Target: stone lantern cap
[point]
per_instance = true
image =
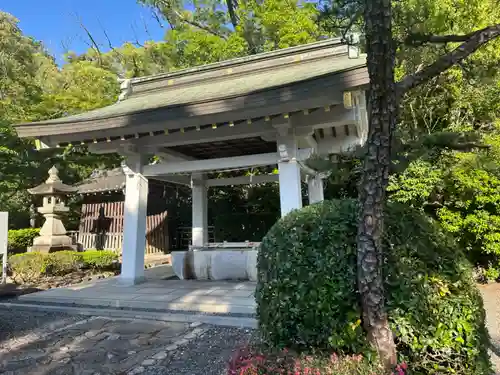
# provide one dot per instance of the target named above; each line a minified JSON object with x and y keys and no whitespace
{"x":53,"y":185}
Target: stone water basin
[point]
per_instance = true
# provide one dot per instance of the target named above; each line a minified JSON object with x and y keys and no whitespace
{"x":216,"y":264}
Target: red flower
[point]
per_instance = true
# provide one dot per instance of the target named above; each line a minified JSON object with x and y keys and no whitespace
{"x":333,"y":357}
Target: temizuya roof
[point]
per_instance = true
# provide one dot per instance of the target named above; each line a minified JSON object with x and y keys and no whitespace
{"x":291,"y":79}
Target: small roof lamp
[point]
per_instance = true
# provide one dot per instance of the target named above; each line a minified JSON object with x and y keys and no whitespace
{"x":353,"y":41}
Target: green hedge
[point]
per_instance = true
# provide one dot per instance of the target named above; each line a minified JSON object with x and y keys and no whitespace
{"x":28,"y":267}
{"x":307,"y":294}
{"x":99,"y":259}
{"x":21,"y":239}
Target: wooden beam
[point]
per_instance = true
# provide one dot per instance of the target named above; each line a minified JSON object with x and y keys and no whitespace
{"x":242,"y":180}
{"x":175,"y":179}
{"x":222,"y":133}
{"x":206,"y":165}
{"x":211,"y":164}
{"x":337,"y":145}
{"x":320,"y":118}
{"x":170,"y":155}
{"x":326,"y":117}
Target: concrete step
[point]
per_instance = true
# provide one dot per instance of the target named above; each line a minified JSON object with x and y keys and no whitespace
{"x":178,"y":316}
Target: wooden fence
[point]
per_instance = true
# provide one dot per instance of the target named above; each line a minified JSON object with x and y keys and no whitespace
{"x":112,"y":237}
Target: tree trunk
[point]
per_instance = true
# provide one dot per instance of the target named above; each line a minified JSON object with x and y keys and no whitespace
{"x":375,"y":175}
{"x":232,"y":13}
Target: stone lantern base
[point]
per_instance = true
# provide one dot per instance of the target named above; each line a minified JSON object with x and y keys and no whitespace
{"x":52,"y":243}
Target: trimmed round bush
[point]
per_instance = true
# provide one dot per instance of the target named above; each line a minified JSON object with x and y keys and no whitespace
{"x":307,"y":293}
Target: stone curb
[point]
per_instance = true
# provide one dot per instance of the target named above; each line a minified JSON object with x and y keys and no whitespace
{"x":217,"y":320}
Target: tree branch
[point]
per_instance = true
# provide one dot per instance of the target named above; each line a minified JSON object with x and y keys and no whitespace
{"x":157,"y":18}
{"x":163,"y":4}
{"x":106,"y":35}
{"x":199,"y":25}
{"x":231,"y":5}
{"x":355,"y":17}
{"x":91,"y":38}
{"x":419,"y":39}
{"x":475,"y":41}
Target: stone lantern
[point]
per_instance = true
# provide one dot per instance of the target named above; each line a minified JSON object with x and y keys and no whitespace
{"x":52,"y":234}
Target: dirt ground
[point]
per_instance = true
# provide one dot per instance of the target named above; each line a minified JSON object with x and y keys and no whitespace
{"x":491,"y":298}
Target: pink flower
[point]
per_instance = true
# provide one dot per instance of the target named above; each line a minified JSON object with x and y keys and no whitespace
{"x":404,"y":366}
{"x":333,"y":357}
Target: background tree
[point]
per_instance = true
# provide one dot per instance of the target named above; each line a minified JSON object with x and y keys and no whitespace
{"x":384,"y":101}
{"x":33,"y":88}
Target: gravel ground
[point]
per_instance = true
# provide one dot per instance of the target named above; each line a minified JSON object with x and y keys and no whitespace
{"x":208,"y":354}
{"x":19,"y":322}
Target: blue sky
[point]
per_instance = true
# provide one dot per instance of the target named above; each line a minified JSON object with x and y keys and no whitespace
{"x":56,"y":22}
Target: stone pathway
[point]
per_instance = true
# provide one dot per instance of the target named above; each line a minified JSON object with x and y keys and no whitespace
{"x":101,"y":345}
{"x":213,"y":297}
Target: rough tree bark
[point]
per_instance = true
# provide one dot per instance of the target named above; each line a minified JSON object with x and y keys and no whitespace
{"x":375,"y":176}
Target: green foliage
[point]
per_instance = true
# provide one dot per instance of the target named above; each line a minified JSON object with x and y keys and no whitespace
{"x":200,"y":33}
{"x":80,"y":87}
{"x":27,"y":267}
{"x":21,"y":239}
{"x":33,"y":88}
{"x":100,"y":259}
{"x":62,"y":262}
{"x":491,"y":273}
{"x":243,"y":212}
{"x":307,"y":294}
{"x":461,"y":190}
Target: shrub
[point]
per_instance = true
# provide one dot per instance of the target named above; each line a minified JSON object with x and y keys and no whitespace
{"x":100,"y":259}
{"x":63,"y":262}
{"x":27,"y":267}
{"x":21,"y":239}
{"x":307,"y":295}
{"x":252,"y":360}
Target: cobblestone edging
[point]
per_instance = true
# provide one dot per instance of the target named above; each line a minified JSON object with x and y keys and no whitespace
{"x":161,"y":355}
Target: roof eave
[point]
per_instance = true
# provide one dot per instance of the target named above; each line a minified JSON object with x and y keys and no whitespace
{"x":215,"y":109}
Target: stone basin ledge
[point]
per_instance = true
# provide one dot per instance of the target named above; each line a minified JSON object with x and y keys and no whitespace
{"x":216,"y":264}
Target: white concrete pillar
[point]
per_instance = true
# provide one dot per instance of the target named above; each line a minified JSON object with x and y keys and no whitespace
{"x":199,"y":211}
{"x":315,"y":189}
{"x":289,"y":175}
{"x":134,"y":227}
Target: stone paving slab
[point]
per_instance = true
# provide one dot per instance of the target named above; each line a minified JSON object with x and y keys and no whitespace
{"x":100,"y":345}
{"x":217,"y":297}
